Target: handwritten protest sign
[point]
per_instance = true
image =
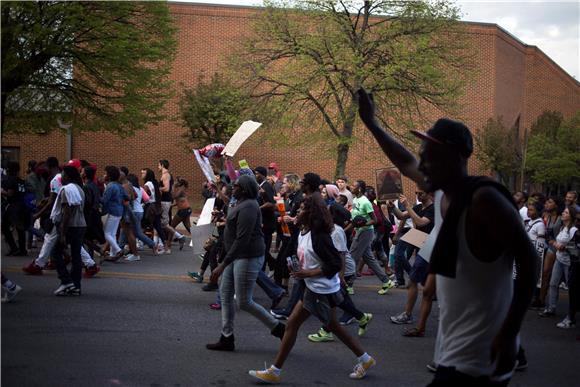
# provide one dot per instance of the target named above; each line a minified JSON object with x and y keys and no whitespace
{"x":242,"y":134}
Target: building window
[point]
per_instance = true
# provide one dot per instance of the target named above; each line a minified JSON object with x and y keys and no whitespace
{"x":10,"y":153}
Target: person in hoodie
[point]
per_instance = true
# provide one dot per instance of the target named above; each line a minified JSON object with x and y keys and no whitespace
{"x":244,"y":244}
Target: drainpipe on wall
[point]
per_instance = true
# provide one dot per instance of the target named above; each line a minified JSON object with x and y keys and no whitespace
{"x":69,"y":141}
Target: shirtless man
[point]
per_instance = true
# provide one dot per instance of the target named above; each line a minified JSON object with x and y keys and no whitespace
{"x":481,"y":310}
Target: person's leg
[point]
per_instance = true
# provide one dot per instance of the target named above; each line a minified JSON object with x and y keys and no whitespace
{"x":426,"y":302}
{"x":272,"y":290}
{"x":337,"y":329}
{"x":50,"y":240}
{"x":159,"y":229}
{"x":557,"y":272}
{"x":296,"y":319}
{"x":373,"y":264}
{"x":549,"y":260}
{"x":357,"y":249}
{"x":75,"y":236}
{"x":295,"y":295}
{"x":402,"y":264}
{"x":86,"y":257}
{"x":348,"y":306}
{"x":8,"y":236}
{"x":412,"y":293}
{"x":61,"y":269}
{"x":245,"y":274}
{"x":139,"y":231}
{"x":111,"y":226}
{"x":227,"y":300}
{"x":21,"y":233}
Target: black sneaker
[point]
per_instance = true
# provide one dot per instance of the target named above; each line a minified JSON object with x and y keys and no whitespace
{"x":210,"y":287}
{"x":280,"y":314}
{"x":74,"y":292}
{"x":64,"y":289}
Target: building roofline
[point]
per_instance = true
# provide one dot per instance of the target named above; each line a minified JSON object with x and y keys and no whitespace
{"x":525,"y":46}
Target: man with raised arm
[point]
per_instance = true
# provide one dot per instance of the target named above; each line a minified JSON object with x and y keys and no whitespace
{"x":481,"y":310}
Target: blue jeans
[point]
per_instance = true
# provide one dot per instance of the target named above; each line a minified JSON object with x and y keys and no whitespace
{"x":139,"y":234}
{"x":558,"y":271}
{"x":403,"y":251}
{"x":239,"y":278}
{"x":268,"y":286}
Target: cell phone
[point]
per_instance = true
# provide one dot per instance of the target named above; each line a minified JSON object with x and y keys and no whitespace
{"x":293,"y":262}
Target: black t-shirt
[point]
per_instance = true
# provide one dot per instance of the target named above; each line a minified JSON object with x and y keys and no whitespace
{"x":429,"y":213}
{"x":17,"y":185}
{"x":268,"y":215}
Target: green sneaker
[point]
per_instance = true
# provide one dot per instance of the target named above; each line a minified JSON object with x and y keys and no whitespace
{"x":196,"y":276}
{"x":321,"y":336}
{"x":350,"y":291}
{"x":363,"y":323}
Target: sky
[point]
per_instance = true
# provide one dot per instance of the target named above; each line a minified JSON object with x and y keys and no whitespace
{"x":551,"y":25}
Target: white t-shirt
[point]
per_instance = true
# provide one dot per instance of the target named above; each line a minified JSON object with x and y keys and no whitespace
{"x":536,"y":230}
{"x":152,"y":191}
{"x":137,"y":207}
{"x":524,"y":214}
{"x":56,"y":183}
{"x":564,"y":236}
{"x":309,"y":260}
{"x":339,"y":240}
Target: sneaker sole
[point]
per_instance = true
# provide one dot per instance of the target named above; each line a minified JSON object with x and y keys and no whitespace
{"x":263,"y":380}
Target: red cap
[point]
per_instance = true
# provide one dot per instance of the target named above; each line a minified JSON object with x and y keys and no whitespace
{"x":74,"y":163}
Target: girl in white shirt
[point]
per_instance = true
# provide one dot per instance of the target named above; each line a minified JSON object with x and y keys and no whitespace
{"x":322,"y":293}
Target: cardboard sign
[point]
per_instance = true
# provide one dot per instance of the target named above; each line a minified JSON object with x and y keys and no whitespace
{"x":205,"y":166}
{"x":242,"y":134}
{"x":205,"y":217}
{"x":415,"y":237}
{"x":389,"y":183}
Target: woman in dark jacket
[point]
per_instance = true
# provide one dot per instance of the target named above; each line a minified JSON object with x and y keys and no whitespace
{"x":244,"y":246}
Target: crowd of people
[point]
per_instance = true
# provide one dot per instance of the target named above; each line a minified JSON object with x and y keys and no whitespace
{"x":72,"y":214}
{"x":328,"y":233}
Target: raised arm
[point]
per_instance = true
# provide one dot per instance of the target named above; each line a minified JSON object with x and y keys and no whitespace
{"x":403,"y":159}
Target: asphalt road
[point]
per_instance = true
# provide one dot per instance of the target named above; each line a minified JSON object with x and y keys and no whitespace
{"x":146,"y":324}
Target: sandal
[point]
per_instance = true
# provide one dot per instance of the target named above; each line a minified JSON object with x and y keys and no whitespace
{"x":413,"y":332}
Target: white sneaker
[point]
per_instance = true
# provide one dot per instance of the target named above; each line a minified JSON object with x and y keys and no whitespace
{"x":168,"y":251}
{"x":132,"y":258}
{"x":140,"y":245}
{"x":566,"y":323}
{"x":10,"y":293}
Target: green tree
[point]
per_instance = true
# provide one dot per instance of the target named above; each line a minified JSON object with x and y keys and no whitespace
{"x":498,"y":149}
{"x":553,"y":156}
{"x":306,"y":59}
{"x":213,"y":110}
{"x":97,"y":65}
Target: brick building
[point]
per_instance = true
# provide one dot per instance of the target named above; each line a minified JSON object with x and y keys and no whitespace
{"x":512,"y":78}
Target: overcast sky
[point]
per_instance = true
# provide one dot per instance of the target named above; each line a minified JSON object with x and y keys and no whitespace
{"x":551,"y":25}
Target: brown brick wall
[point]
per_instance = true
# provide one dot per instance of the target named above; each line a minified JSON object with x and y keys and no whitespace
{"x":510,"y":78}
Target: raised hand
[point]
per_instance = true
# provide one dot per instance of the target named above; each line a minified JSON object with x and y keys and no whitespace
{"x":366,"y":108}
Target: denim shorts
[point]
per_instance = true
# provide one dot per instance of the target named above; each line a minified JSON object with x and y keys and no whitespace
{"x":320,"y":305}
{"x":419,"y":271}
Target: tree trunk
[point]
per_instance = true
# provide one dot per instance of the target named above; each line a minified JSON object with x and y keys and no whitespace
{"x":341,"y":157}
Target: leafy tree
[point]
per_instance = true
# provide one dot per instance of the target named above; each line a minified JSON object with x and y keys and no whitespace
{"x":213,"y":110}
{"x":553,"y":156}
{"x":98,"y":65}
{"x":498,"y":149}
{"x":307,"y":58}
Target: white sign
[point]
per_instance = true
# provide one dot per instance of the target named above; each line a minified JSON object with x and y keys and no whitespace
{"x":205,"y":217}
{"x":242,"y":134}
{"x":205,"y":166}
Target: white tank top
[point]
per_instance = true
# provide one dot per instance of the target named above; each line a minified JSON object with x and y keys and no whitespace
{"x":473,"y":307}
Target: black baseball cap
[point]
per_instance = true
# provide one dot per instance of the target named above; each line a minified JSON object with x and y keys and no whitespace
{"x":451,"y":133}
{"x":261,"y":170}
